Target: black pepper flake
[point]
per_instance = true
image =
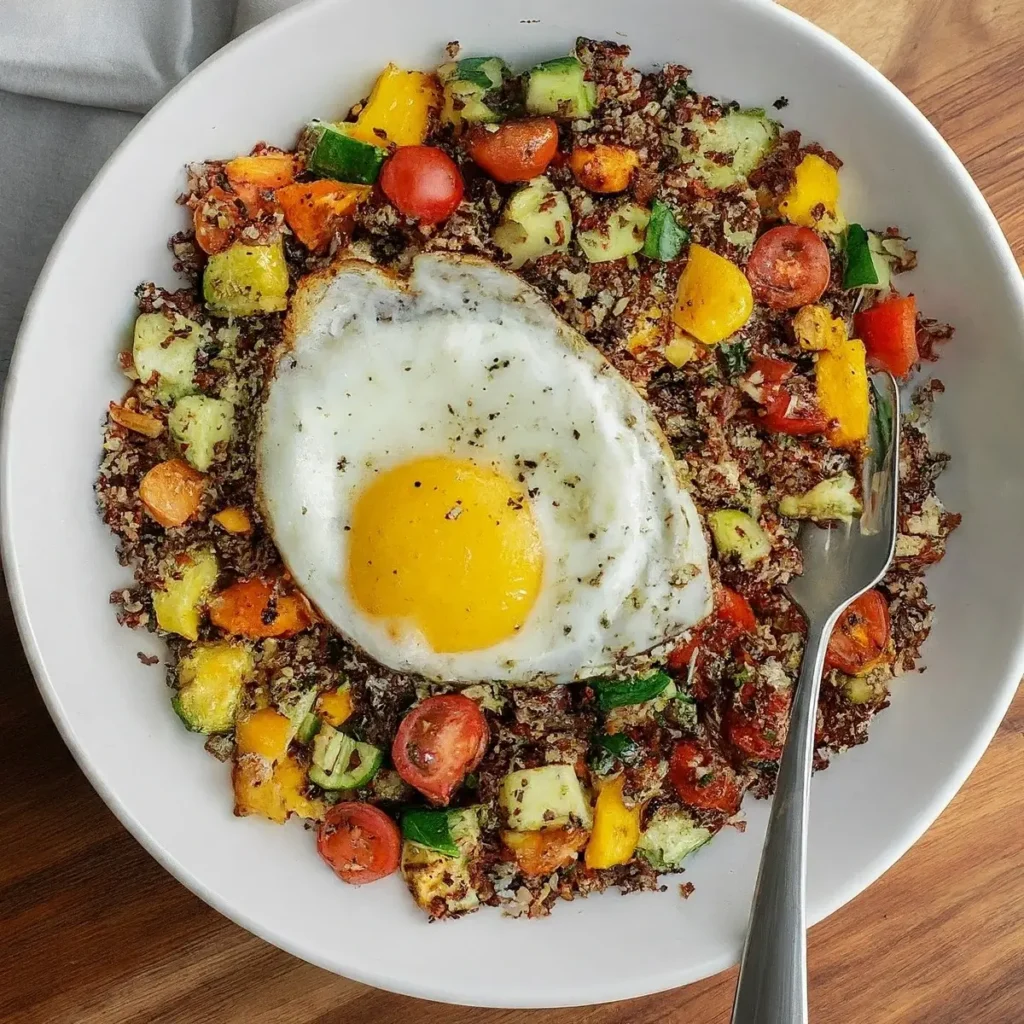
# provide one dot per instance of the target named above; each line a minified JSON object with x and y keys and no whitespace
{"x":781,"y":102}
{"x":576,"y":434}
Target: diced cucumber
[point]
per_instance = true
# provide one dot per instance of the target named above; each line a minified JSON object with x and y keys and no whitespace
{"x":739,"y":536}
{"x":210,"y":682}
{"x":665,"y":238}
{"x":867,"y":262}
{"x":246,"y":280}
{"x":441,"y":884}
{"x":744,"y":135}
{"x":485,"y":72}
{"x":199,"y":423}
{"x":298,"y":710}
{"x":165,"y":348}
{"x":546,"y":797}
{"x":614,"y":693}
{"x":308,"y":728}
{"x":671,"y":836}
{"x":467,"y":86}
{"x":535,"y":222}
{"x":832,"y":499}
{"x":558,"y":88}
{"x":621,"y":235}
{"x":340,"y":762}
{"x":335,"y":154}
{"x":179,"y":604}
{"x":388,"y":785}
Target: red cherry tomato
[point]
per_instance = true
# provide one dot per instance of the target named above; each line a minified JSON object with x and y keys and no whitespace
{"x":760,"y":733}
{"x":423,"y":182}
{"x":732,"y":616}
{"x":861,"y":635}
{"x":788,"y":267}
{"x":517,"y":150}
{"x":703,"y":780}
{"x":889,"y":332}
{"x":438,"y":742}
{"x":360,"y":842}
{"x":734,"y":608}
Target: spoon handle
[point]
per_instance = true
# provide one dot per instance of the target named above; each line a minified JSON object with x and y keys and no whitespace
{"x":772,"y":986}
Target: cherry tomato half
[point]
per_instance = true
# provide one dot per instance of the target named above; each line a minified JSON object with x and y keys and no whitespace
{"x":438,"y":742}
{"x":423,"y":182}
{"x":517,"y":150}
{"x":788,"y":267}
{"x":732,"y":617}
{"x":760,"y":733}
{"x":360,"y":842}
{"x":861,"y":635}
{"x":703,"y":780}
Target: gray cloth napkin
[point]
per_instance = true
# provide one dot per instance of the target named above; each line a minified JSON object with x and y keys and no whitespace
{"x":74,"y":78}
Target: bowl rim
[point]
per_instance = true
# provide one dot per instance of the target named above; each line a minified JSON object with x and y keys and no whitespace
{"x":611,"y":988}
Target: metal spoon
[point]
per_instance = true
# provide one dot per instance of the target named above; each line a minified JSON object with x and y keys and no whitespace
{"x":839,"y":565}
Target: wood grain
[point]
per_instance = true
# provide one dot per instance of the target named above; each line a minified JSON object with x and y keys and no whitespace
{"x":92,"y":930}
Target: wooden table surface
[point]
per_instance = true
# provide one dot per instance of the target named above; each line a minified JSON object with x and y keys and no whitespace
{"x":93,"y":930}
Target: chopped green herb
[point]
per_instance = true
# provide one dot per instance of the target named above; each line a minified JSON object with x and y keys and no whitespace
{"x":743,"y":676}
{"x":614,"y":693}
{"x":706,"y":779}
{"x":735,"y":358}
{"x":430,"y":829}
{"x":608,"y":750}
{"x":665,"y":238}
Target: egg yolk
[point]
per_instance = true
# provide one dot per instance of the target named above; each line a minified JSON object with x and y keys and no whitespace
{"x":448,"y":546}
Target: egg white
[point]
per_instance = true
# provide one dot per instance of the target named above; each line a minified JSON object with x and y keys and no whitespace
{"x":463,"y":358}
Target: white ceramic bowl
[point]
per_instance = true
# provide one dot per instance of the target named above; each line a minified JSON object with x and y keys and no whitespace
{"x":114,"y":712}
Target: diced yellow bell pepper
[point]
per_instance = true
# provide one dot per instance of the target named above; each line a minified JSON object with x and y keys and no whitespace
{"x":816,"y":329}
{"x":265,"y":732}
{"x":680,"y":350}
{"x":816,"y":185}
{"x":646,"y":331}
{"x":400,"y":106}
{"x":714,"y":298}
{"x":272,"y":791}
{"x":335,"y":706}
{"x":842,"y":386}
{"x":233,"y":519}
{"x":616,"y":829}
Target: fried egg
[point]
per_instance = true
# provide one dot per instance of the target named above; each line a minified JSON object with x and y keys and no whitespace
{"x":464,"y":486}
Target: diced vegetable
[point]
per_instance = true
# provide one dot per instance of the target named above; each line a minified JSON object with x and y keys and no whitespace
{"x":740,"y":536}
{"x":336,"y":154}
{"x":210,"y":681}
{"x":745,"y":135}
{"x":246,"y":280}
{"x":431,"y":829}
{"x":622,"y":234}
{"x":265,"y":732}
{"x":290,"y":779}
{"x":199,"y":423}
{"x":864,"y":689}
{"x":317,"y":210}
{"x":670,"y":837}
{"x":614,"y":693}
{"x":468,"y":85}
{"x":535,"y":222}
{"x":438,"y":742}
{"x":259,"y":607}
{"x":233,"y":519}
{"x":172,"y":492}
{"x":861,"y":637}
{"x":841,"y":379}
{"x":399,"y":108}
{"x":297,"y":707}
{"x":829,"y":500}
{"x":703,"y":778}
{"x":813,"y":198}
{"x":335,"y":706}
{"x":713,"y":300}
{"x":516,"y":150}
{"x":610,"y":751}
{"x":164,"y":350}
{"x":889,"y":332}
{"x":546,"y":797}
{"x":665,"y":238}
{"x":179,"y":605}
{"x":538,"y":854}
{"x":817,"y":330}
{"x":269,"y":170}
{"x":360,"y":842}
{"x":558,"y":87}
{"x":218,"y":216}
{"x":789,"y":266}
{"x":272,"y":791}
{"x":680,"y":350}
{"x":616,"y":828}
{"x":139,"y":422}
{"x":867,"y":263}
{"x":423,"y":182}
{"x":442,"y":885}
{"x":339,"y":762}
{"x":603,"y":168}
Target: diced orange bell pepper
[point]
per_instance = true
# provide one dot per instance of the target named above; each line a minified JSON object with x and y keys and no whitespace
{"x":335,"y":707}
{"x":257,"y":608}
{"x":233,"y":519}
{"x":314,"y":210}
{"x":140,"y":422}
{"x":172,"y":492}
{"x":268,"y":170}
{"x":604,"y":168}
{"x":540,"y":853}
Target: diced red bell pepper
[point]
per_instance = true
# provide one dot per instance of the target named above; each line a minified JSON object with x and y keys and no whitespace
{"x":768,"y":374}
{"x":889,"y":332}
